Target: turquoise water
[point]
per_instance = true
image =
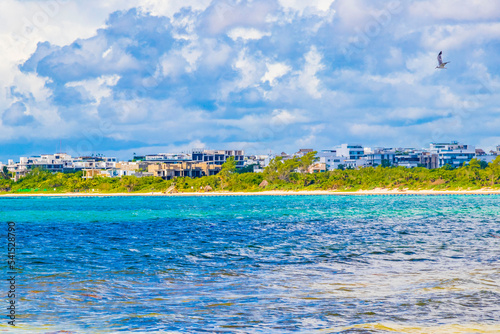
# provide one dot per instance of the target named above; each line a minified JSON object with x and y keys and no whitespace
{"x":257,"y":264}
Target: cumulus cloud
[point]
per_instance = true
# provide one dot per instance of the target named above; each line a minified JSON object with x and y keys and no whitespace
{"x":17,"y":115}
{"x":456,"y":10}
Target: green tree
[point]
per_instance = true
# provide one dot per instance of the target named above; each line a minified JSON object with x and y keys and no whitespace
{"x":4,"y":173}
{"x":227,"y":169}
{"x":5,"y":185}
{"x":386,"y":163}
{"x":129,"y":182}
{"x":307,"y":160}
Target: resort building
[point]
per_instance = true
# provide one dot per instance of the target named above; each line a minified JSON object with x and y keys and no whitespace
{"x":351,"y":151}
{"x":407,"y":157}
{"x":429,"y":160}
{"x":453,"y":154}
{"x":184,"y":169}
{"x":218,"y":157}
{"x":331,"y":160}
{"x":318,"y":167}
{"x":381,"y":157}
{"x":167,"y":157}
{"x":302,"y":152}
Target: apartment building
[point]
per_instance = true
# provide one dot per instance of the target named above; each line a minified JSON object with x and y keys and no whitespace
{"x":218,"y":157}
{"x":380,"y":157}
{"x":169,"y":171}
{"x":454,"y":153}
{"x":351,"y":151}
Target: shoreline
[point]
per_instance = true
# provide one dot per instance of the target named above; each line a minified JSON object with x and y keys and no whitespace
{"x":373,"y":192}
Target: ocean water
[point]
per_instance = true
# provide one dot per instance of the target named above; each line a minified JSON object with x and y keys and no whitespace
{"x":255,"y":264}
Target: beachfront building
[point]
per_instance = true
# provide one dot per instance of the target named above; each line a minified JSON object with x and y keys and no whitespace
{"x":317,"y":167}
{"x":59,"y":162}
{"x":168,"y":157}
{"x":169,"y":171}
{"x":259,"y":161}
{"x":428,"y":160}
{"x":302,"y":152}
{"x":351,"y":151}
{"x":354,"y":163}
{"x":454,"y":153}
{"x":62,"y":162}
{"x":331,"y":160}
{"x":94,"y":162}
{"x":407,"y":157}
{"x":135,"y":166}
{"x":218,"y":157}
{"x":381,"y":157}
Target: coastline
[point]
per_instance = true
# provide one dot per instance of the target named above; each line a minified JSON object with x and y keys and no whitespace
{"x":373,"y":192}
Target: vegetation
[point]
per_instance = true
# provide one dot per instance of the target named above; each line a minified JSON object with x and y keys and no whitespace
{"x":280,"y":175}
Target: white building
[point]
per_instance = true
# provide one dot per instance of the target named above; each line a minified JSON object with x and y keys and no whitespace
{"x":331,"y":160}
{"x":453,"y":154}
{"x":351,"y":151}
{"x":381,"y":157}
{"x":168,"y":157}
{"x":218,"y":157}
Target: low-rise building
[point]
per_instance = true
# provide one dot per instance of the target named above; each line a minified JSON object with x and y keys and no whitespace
{"x":184,"y":169}
{"x":168,"y":157}
{"x":453,"y":154}
{"x":318,"y":167}
{"x":429,"y":160}
{"x":302,"y":152}
{"x":407,"y":157}
{"x":351,"y":151}
{"x":218,"y":157}
{"x":381,"y":157}
{"x":331,"y":160}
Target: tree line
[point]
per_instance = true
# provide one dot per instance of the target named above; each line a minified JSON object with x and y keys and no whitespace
{"x":280,"y":174}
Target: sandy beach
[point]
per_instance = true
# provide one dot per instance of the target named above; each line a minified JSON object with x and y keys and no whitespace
{"x":373,"y":192}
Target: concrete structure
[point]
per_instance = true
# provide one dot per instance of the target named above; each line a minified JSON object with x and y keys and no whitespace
{"x":331,"y":160}
{"x":354,"y":163}
{"x":318,"y":167}
{"x":184,"y":169}
{"x":381,"y":157}
{"x":133,"y":166}
{"x":218,"y":157}
{"x":168,"y":157}
{"x":453,"y":154}
{"x":407,"y":157}
{"x":351,"y":151}
{"x":90,"y":173}
{"x":429,"y":160}
{"x":302,"y":152}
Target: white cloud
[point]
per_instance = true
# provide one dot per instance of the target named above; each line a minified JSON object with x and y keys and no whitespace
{"x":275,"y":71}
{"x":302,"y":6}
{"x":463,"y":10}
{"x":246,"y":33}
{"x":225,"y":14}
{"x":170,"y":7}
{"x":98,"y":88}
{"x":453,"y":37}
{"x":249,"y":68}
{"x":307,"y":77}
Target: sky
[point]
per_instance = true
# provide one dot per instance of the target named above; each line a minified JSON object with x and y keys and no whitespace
{"x":119,"y":77}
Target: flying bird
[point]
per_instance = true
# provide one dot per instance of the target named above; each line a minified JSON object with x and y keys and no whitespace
{"x":441,"y":65}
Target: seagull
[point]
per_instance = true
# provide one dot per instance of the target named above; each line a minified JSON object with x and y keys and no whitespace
{"x":440,"y":61}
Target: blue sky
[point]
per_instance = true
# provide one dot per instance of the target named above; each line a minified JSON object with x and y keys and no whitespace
{"x":151,"y":76}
